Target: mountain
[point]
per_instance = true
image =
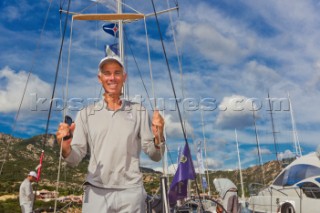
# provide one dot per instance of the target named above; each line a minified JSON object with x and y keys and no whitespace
{"x":250,"y":175}
{"x":23,"y":156}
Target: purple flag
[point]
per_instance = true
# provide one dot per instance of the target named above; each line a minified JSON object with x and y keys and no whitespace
{"x":112,"y":29}
{"x":179,"y":154}
{"x":179,"y":186}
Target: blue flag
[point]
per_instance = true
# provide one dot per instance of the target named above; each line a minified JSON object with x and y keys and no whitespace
{"x":115,"y":48}
{"x":199,"y":158}
{"x":112,"y":29}
{"x":112,"y":50}
{"x":179,"y":186}
{"x":204,"y":182}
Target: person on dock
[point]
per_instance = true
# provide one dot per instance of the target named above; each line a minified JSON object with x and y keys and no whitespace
{"x":26,"y":196}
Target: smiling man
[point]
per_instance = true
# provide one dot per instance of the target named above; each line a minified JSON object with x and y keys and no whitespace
{"x":113,"y":132}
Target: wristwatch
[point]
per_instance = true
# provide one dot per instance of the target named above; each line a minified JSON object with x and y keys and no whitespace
{"x":154,"y":142}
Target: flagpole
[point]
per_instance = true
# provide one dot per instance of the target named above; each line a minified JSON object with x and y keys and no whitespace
{"x":202,"y":173}
{"x":38,"y":168}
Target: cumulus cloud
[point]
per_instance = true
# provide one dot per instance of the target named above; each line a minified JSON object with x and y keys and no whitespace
{"x":259,"y":76}
{"x":173,"y":128}
{"x":218,"y":46}
{"x":263,"y":151}
{"x":235,"y":112}
{"x":286,"y":154}
{"x":212,"y":164}
{"x":12,"y":89}
{"x":171,"y":169}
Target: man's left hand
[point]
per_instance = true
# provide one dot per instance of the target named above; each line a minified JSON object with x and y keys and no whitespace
{"x":157,"y":127}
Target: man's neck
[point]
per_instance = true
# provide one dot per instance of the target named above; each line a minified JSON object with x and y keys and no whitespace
{"x":114,"y":102}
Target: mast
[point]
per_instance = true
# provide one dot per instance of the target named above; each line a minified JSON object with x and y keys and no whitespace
{"x":294,"y":131}
{"x":121,"y":44}
{"x":205,"y":152}
{"x":239,"y":162}
{"x":258,"y":144}
{"x":273,"y":129}
{"x":120,"y":25}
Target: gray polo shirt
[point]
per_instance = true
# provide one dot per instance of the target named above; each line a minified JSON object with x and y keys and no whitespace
{"x":114,"y":140}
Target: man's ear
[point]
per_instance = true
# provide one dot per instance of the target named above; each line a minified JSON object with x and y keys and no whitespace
{"x":99,"y":78}
{"x":125,"y":76}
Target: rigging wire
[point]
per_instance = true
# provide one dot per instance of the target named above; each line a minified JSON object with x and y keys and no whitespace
{"x":205,"y":150}
{"x":258,"y":145}
{"x":64,"y":112}
{"x":140,"y":74}
{"x":26,"y":85}
{"x":173,"y":89}
{"x":163,"y":184}
{"x":57,"y":71}
{"x":147,"y":93}
{"x":170,"y":75}
{"x":56,"y":77}
{"x":185,"y":115}
{"x":164,"y":172}
{"x":149,"y":62}
{"x":180,"y":68}
{"x":101,"y":1}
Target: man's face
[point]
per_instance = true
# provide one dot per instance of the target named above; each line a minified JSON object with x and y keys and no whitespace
{"x":32,"y":179}
{"x":112,"y":78}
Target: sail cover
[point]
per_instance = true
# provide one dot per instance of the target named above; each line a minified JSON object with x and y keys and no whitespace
{"x":223,"y":185}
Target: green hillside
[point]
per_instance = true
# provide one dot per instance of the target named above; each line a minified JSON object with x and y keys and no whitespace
{"x":21,"y":156}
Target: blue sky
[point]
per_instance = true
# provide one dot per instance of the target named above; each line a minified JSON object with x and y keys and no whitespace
{"x":232,"y":53}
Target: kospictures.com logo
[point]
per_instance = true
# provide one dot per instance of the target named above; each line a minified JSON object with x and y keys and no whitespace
{"x":168,"y":104}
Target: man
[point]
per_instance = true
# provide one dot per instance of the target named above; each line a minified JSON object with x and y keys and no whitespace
{"x":26,"y":196}
{"x":113,"y":131}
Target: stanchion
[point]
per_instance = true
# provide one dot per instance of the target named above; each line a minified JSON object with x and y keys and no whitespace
{"x":165,"y":207}
{"x":149,"y":206}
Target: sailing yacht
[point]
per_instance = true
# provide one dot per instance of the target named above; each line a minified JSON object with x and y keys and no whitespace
{"x":295,"y":190}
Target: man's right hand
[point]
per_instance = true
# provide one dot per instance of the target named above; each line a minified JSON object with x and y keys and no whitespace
{"x":63,"y":131}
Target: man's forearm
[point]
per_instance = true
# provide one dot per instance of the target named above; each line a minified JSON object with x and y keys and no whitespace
{"x":66,"y":152}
